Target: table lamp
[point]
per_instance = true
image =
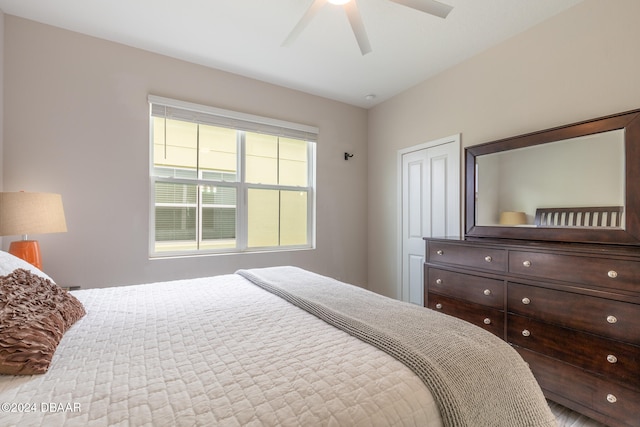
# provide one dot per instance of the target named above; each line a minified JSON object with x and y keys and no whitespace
{"x":513,"y":218}
{"x":23,"y":213}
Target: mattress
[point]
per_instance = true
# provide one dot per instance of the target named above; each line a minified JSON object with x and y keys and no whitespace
{"x":212,"y":351}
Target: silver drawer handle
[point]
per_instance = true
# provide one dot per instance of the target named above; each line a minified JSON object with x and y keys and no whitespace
{"x":438,"y":281}
{"x":613,"y":274}
{"x":487,"y":292}
{"x":612,"y":319}
{"x":440,"y":252}
{"x":526,"y":333}
{"x":439,"y":306}
{"x":526,"y":301}
{"x":488,"y":258}
{"x":611,"y":398}
{"x":526,"y":263}
{"x":612,"y":359}
{"x":487,"y":321}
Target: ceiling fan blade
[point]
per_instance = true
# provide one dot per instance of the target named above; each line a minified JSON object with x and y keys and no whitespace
{"x":357,"y":25}
{"x":432,"y":7}
{"x":304,"y":21}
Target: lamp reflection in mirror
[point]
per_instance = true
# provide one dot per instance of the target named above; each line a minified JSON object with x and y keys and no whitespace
{"x":513,"y":218}
{"x":23,"y":213}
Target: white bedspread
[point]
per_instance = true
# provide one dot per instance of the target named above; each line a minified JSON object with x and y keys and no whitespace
{"x":213,"y":351}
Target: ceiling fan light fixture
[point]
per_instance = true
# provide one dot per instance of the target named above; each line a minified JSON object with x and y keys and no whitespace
{"x":431,"y":7}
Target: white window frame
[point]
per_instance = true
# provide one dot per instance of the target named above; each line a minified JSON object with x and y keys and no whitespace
{"x":241,"y":122}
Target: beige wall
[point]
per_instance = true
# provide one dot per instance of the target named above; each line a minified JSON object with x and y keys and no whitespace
{"x":76,"y":123}
{"x":581,"y":64}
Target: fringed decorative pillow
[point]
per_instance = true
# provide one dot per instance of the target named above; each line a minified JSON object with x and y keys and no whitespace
{"x":34,"y":315}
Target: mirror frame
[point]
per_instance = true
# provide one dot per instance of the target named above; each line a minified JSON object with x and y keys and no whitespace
{"x":630,"y":235}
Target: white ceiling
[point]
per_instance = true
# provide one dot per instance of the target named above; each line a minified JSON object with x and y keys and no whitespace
{"x":245,"y":37}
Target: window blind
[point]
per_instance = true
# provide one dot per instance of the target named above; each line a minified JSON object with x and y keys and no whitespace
{"x":202,"y":114}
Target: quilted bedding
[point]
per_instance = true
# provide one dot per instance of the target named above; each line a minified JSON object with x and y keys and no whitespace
{"x":211,"y":351}
{"x":476,"y":378}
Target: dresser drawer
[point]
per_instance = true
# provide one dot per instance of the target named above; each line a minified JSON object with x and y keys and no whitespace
{"x":480,"y":290}
{"x":613,"y":319}
{"x":484,"y":317}
{"x":467,"y":256}
{"x":593,"y":395}
{"x":615,"y":360}
{"x":602,"y":272}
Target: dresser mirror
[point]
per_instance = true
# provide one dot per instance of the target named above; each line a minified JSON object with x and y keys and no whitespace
{"x":575,"y":183}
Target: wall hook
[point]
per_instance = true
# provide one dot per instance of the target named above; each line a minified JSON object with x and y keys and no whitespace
{"x":347,"y":155}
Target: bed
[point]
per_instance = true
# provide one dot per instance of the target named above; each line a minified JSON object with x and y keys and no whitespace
{"x":275,"y":346}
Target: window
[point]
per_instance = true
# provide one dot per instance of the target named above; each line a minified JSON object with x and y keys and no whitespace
{"x":223,"y":181}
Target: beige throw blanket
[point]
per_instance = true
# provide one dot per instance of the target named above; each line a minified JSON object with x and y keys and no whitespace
{"x":477,"y":379}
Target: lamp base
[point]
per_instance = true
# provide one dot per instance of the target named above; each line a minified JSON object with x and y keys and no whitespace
{"x":28,"y":250}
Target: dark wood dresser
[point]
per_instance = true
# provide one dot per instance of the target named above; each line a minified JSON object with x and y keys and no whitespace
{"x":571,"y":310}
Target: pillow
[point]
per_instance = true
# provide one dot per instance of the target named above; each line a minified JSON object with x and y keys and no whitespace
{"x":34,"y":314}
{"x":9,"y":263}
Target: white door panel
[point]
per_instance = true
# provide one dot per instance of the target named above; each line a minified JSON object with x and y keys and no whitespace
{"x":416,"y":294}
{"x":430,"y":192}
{"x":437,"y":212}
{"x":415,"y":183}
{"x":414,"y":206}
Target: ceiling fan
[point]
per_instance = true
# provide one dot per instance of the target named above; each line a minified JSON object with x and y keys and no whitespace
{"x":432,"y":7}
